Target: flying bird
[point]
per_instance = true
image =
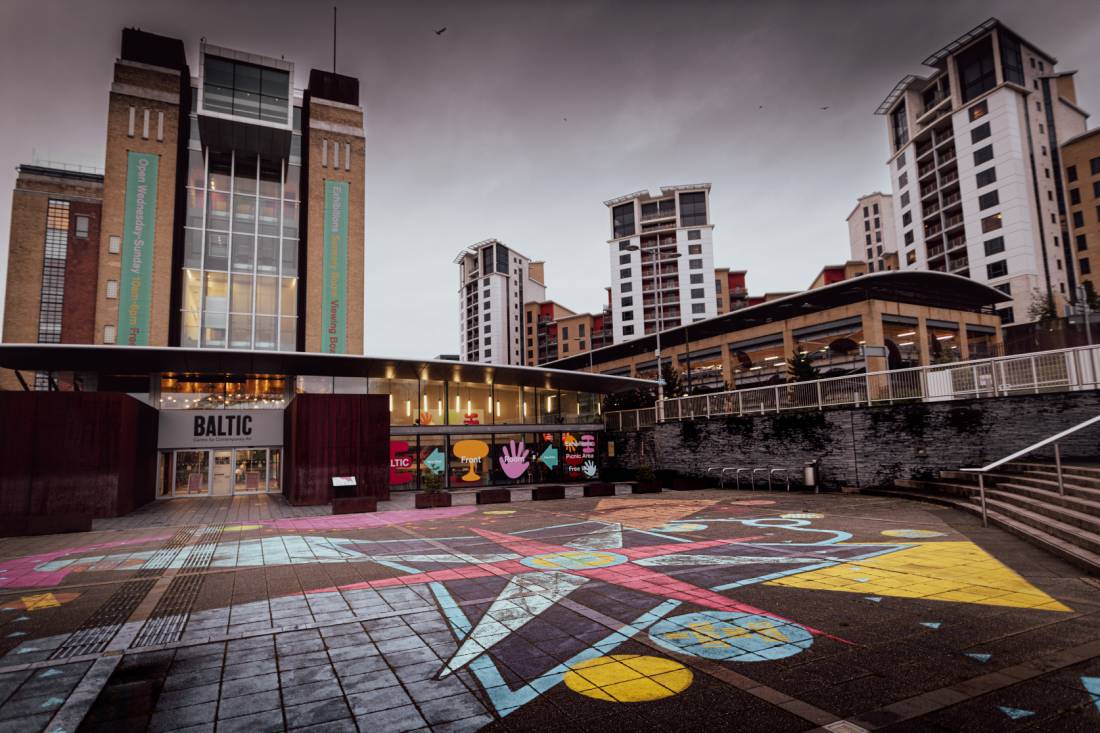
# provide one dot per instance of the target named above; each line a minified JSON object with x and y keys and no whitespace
{"x":824,"y":108}
{"x":441,"y":31}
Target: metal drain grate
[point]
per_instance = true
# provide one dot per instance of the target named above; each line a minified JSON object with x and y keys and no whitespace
{"x":96,"y":632}
{"x":167,"y":621}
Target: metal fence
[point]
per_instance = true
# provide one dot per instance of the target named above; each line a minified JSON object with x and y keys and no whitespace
{"x":1062,"y":370}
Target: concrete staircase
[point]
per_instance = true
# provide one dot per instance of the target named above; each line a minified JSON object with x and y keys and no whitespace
{"x":1023,"y":498}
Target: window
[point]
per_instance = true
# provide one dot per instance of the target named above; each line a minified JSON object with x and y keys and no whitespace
{"x":628,"y":330}
{"x":1012,"y":62}
{"x":1096,"y":189}
{"x":868,"y":238}
{"x":694,"y":234}
{"x":695,"y":249}
{"x":875,"y":206}
{"x":580,"y":332}
{"x":114,"y":244}
{"x":984,"y":155}
{"x":1094,"y":166}
{"x":877,"y":225}
{"x":82,"y":223}
{"x":906,"y":219}
{"x":994,"y":246}
{"x":693,"y":209}
{"x":866,"y":213}
{"x":979,"y":133}
{"x":625,"y":287}
{"x":909,"y":237}
{"x":624,"y":273}
{"x":695,"y":264}
{"x":624,"y":259}
{"x":246,"y":90}
{"x":628,"y":315}
{"x":1006,"y":315}
{"x":911,"y":257}
{"x":905,"y":199}
{"x":878,"y":237}
{"x":901,"y":161}
{"x":112,"y":289}
{"x":903,"y":180}
{"x":988,"y":200}
{"x":628,"y":301}
{"x":696,"y":278}
{"x":1082,"y":243}
{"x":996,"y":269}
{"x":1075,"y":195}
{"x":976,"y":70}
{"x":697,"y":292}
{"x":979,"y":110}
{"x":866,"y":225}
{"x":992,"y":223}
{"x":622,"y":221}
{"x":986,"y":177}
{"x":1005,"y":288}
{"x":899,"y":123}
{"x":698,"y":307}
{"x":1078,"y":219}
{"x":1083,"y":264}
{"x":108,"y":334}
{"x":1071,"y":173}
{"x":564,"y":332}
{"x":624,"y":244}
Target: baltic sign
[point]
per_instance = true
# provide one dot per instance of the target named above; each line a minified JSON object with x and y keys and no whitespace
{"x":335,"y":264}
{"x":136,"y":279}
{"x":219,"y":428}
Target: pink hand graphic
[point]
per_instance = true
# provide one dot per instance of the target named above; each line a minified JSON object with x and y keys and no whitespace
{"x":513,"y":459}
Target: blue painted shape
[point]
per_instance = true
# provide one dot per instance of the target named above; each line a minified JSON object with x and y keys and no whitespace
{"x":979,"y":656}
{"x":873,"y":599}
{"x":1092,"y":686}
{"x":23,"y":618}
{"x":17,"y":633}
{"x":574,"y":560}
{"x":930,"y":624}
{"x":731,"y":636}
{"x":862,"y":580}
{"x":435,"y":461}
{"x":52,"y":702}
{"x":549,"y":457}
{"x":828,"y":563}
{"x":51,"y":672}
{"x":1015,"y":713}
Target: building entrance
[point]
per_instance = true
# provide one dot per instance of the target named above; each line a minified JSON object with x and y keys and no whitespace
{"x":219,"y":472}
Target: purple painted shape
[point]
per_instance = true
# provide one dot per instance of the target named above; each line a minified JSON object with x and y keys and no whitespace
{"x":365,"y":521}
{"x":21,"y":573}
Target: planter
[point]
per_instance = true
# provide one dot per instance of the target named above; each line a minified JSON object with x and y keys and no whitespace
{"x":599,"y":488}
{"x":494,"y":496}
{"x":646,"y":487}
{"x":688,"y":484}
{"x":354,"y":505}
{"x":546,"y":493}
{"x":23,"y":525}
{"x":434,"y":500}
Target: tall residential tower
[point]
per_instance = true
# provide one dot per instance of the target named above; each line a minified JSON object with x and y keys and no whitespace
{"x":974,"y":162}
{"x":871,"y":232}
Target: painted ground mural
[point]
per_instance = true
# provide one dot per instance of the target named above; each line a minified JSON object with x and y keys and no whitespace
{"x":461,"y":618}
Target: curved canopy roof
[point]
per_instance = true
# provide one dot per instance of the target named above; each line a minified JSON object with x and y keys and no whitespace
{"x":917,"y":287}
{"x":137,"y":360}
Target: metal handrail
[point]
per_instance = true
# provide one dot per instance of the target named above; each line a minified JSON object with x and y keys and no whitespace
{"x":754,"y":478}
{"x":721,"y":474}
{"x":786,"y":476}
{"x":1030,"y":449}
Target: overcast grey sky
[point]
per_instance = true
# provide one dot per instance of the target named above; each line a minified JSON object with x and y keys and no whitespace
{"x":522,"y":118}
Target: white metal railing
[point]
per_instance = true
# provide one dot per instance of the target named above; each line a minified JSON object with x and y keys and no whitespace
{"x":1030,"y":449}
{"x":1061,"y":370}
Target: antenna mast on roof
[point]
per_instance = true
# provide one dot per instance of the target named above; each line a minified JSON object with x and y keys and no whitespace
{"x":333,"y":39}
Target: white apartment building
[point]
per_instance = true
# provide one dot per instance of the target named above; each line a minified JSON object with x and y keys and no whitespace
{"x":871,"y":232}
{"x":494,"y":282}
{"x":647,"y":232}
{"x":974,"y":164}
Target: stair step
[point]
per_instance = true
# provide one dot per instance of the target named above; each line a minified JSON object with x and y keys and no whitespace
{"x":1075,"y":517}
{"x":1084,"y":500}
{"x":1074,"y":535}
{"x":1079,"y":556}
{"x":1072,"y":489}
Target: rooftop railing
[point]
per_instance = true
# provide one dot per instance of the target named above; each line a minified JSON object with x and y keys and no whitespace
{"x":1062,"y":370}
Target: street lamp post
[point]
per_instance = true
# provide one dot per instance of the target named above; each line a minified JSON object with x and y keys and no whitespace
{"x":660,"y":323}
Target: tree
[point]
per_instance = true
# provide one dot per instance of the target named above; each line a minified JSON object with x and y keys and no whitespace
{"x":673,"y":386}
{"x":1091,"y":296}
{"x":1042,"y":306}
{"x":800,"y":367}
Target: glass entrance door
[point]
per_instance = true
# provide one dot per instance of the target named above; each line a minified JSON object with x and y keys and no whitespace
{"x":192,"y":474}
{"x":250,"y":472}
{"x":221,"y":481}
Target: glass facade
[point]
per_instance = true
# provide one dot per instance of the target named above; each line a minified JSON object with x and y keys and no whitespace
{"x":240,"y":263}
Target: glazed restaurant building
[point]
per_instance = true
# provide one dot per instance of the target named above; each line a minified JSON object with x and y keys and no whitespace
{"x":224,"y":422}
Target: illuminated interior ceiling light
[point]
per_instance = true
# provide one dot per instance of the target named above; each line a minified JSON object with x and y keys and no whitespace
{"x":391,"y":403}
{"x":907,"y":333}
{"x":773,"y":358}
{"x":439,"y":408}
{"x":408,"y":408}
{"x":906,"y":343}
{"x":945,"y":338}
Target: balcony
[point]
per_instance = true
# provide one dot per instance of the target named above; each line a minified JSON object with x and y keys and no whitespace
{"x":925,"y":169}
{"x":947,"y":156}
{"x":953,"y":221}
{"x":956,"y":242}
{"x":930,"y":210}
{"x":931,"y":230}
{"x":653,"y":216}
{"x":952,"y":199}
{"x":935,"y":251}
{"x":949,"y":177}
{"x":928,"y":189}
{"x":923,"y":149}
{"x":958,"y":263}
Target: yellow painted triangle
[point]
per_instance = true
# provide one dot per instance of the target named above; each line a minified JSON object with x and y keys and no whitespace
{"x":648,"y":513}
{"x":937,"y":571}
{"x":38,"y":602}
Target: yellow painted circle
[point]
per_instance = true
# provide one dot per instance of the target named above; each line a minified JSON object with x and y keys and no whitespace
{"x":628,"y":678}
{"x":912,"y":534}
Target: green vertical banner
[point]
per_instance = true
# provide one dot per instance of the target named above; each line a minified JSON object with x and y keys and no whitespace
{"x":335,"y":339}
{"x":135,"y":285}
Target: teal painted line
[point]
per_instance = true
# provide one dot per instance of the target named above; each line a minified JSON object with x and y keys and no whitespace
{"x":1092,"y":686}
{"x":395,"y":565}
{"x":507,"y":700}
{"x":560,"y":526}
{"x":662,"y":536}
